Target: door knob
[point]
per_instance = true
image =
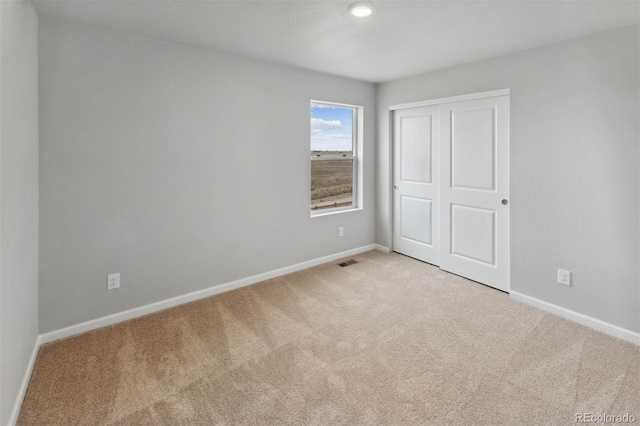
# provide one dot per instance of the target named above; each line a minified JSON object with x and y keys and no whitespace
{"x":505,"y":201}
{"x":395,"y":187}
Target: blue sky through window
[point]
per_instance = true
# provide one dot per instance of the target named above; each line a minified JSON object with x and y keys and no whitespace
{"x":331,"y":128}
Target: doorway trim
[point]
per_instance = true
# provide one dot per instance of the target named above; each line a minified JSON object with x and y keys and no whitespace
{"x":470,"y":96}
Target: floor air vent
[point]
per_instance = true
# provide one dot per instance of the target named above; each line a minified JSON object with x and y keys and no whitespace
{"x":347,"y":263}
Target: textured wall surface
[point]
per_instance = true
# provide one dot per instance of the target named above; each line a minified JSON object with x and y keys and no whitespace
{"x":18,"y":197}
{"x":178,"y":167}
{"x":574,"y":166}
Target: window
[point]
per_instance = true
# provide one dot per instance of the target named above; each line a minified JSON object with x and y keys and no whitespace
{"x":335,"y":139}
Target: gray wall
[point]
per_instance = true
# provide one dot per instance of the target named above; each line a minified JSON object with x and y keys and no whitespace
{"x":574,"y":166}
{"x":18,"y":196}
{"x":178,"y":167}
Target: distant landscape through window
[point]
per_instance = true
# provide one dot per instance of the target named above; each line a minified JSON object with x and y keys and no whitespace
{"x":332,"y":156}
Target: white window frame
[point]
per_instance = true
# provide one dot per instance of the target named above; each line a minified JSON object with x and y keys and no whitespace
{"x":357,"y":145}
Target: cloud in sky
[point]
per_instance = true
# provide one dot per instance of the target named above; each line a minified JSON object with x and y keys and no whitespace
{"x":331,"y":143}
{"x":319,"y":125}
{"x":323,"y":106}
{"x":331,"y":137}
{"x":331,"y":128}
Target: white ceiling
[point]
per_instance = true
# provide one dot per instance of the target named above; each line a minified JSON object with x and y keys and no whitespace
{"x":400,"y":39}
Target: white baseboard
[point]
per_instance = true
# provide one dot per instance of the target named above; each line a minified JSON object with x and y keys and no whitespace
{"x":15,"y":411}
{"x":596,"y":324}
{"x":190,"y":297}
{"x":382,"y":248}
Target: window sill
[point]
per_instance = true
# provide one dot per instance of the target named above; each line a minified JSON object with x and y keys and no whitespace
{"x":330,"y":213}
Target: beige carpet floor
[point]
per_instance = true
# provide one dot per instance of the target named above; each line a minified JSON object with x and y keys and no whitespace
{"x":388,"y":340}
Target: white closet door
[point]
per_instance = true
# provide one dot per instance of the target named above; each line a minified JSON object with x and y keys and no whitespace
{"x":474,"y":211}
{"x":416,"y":180}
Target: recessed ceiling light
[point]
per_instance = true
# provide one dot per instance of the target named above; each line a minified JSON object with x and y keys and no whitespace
{"x":361,"y":8}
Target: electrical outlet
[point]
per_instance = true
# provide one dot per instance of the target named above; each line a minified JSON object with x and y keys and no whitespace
{"x":113,"y":281}
{"x":341,"y":231}
{"x":564,"y":277}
